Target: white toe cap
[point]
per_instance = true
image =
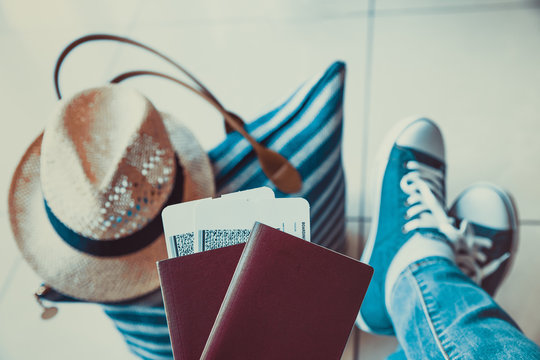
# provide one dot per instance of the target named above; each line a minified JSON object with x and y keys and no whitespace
{"x":423,"y":135}
{"x":486,"y":205}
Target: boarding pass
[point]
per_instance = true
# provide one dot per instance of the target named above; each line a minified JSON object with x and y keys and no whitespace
{"x":208,"y":224}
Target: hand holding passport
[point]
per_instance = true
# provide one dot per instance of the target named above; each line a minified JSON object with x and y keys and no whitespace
{"x":276,"y":297}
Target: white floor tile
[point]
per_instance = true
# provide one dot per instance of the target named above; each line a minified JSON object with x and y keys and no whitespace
{"x":520,"y":291}
{"x":170,"y":12}
{"x":449,"y":5}
{"x":477,"y":75}
{"x":66,"y":14}
{"x":77,"y":331}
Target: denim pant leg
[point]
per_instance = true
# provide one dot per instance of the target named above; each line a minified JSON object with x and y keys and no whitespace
{"x":439,"y":313}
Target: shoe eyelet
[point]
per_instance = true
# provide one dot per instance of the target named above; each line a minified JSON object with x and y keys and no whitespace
{"x":404,"y":164}
{"x":403,"y":231}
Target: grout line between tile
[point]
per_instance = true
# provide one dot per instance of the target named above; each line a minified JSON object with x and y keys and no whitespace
{"x":366,"y":113}
{"x":246,"y":20}
{"x":529,"y":222}
{"x":529,"y":5}
{"x":365,"y":118}
{"x":128,"y":30}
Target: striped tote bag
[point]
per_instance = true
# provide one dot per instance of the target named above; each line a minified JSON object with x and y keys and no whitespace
{"x":307,"y":130}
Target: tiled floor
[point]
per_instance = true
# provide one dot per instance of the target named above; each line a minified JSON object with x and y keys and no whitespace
{"x":470,"y":65}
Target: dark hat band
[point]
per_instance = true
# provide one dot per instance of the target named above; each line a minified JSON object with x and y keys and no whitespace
{"x":124,"y":245}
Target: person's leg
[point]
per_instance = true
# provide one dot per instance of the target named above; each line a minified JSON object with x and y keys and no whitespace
{"x":412,"y":153}
{"x":439,"y":313}
{"x":417,"y":291}
{"x":458,"y":318}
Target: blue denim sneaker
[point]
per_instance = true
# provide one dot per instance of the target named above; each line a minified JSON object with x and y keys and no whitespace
{"x":487,"y":219}
{"x":409,"y":199}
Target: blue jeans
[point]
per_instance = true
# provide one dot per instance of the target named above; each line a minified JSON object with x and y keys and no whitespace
{"x":439,"y":313}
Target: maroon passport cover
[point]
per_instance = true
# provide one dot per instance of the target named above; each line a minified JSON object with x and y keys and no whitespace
{"x":193,"y":288}
{"x":288,"y":299}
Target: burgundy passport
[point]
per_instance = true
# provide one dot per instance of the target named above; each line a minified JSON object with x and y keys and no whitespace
{"x":193,"y":288}
{"x":288,"y":299}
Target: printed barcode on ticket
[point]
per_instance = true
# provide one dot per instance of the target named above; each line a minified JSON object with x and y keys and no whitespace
{"x":182,"y":244}
{"x":215,"y":239}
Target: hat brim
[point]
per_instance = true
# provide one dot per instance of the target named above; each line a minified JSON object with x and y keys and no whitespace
{"x":88,"y":277}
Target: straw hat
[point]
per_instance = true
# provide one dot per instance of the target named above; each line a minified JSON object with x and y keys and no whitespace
{"x":86,"y":198}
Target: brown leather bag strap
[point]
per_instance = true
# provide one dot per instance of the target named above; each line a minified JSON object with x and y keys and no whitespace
{"x":227,"y":115}
{"x":199,"y":88}
{"x":107,"y":37}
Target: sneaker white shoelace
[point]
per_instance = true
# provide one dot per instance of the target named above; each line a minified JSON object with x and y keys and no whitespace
{"x":423,"y":184}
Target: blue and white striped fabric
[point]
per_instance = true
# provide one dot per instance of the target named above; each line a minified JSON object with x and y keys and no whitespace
{"x":144,"y":326}
{"x":307,"y":130}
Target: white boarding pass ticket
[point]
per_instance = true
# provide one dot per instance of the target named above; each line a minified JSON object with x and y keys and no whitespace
{"x":213,"y":223}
